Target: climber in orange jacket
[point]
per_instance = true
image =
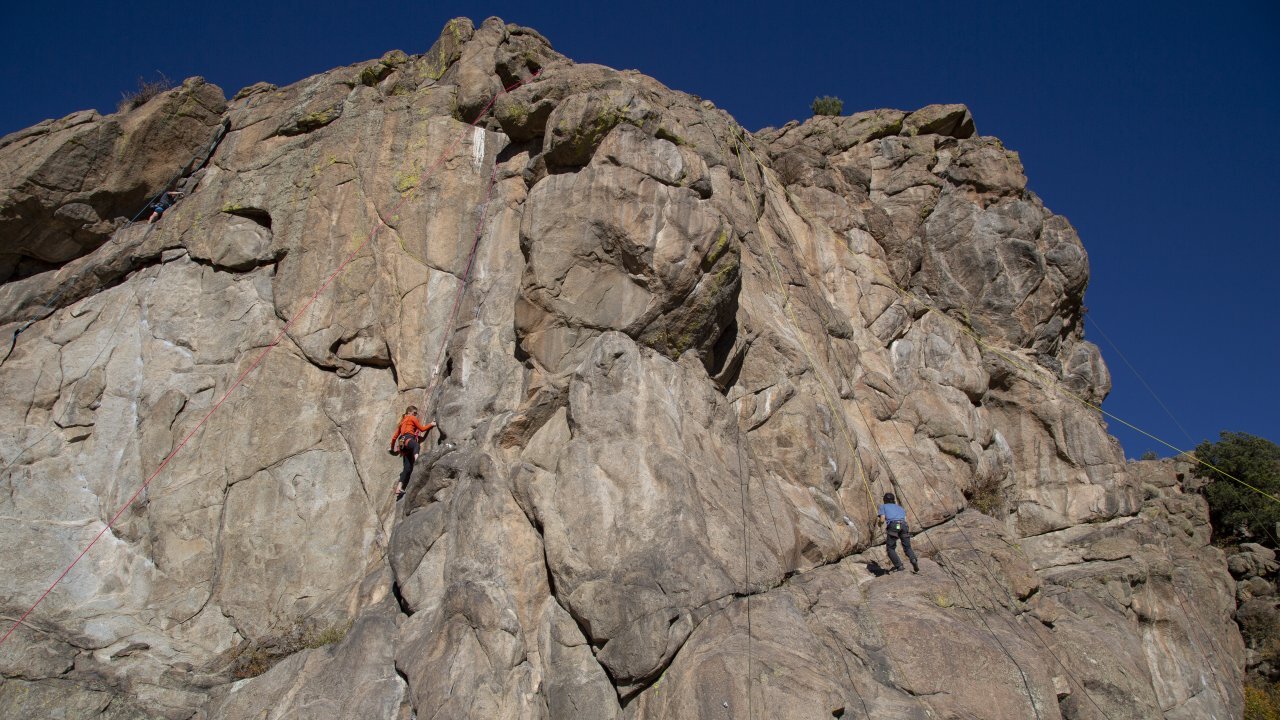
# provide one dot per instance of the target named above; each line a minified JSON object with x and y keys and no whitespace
{"x":404,"y":443}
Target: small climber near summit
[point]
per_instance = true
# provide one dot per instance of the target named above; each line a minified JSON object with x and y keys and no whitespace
{"x":895,"y":528}
{"x":404,"y":443}
{"x":167,"y":198}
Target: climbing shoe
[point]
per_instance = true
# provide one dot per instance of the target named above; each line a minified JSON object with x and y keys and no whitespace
{"x":915,"y":568}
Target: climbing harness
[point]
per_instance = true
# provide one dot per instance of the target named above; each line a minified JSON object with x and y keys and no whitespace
{"x":790,"y":314}
{"x":401,"y":441}
{"x":933,"y":546}
{"x":251,"y":367}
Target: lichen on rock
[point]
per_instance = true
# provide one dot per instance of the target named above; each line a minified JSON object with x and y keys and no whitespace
{"x":674,"y":366}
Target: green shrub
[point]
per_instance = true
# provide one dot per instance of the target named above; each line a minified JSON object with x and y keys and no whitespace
{"x":251,"y":659}
{"x":1261,"y":702}
{"x":327,"y":636}
{"x":827,"y":105}
{"x":1238,"y":512}
{"x":987,"y":497}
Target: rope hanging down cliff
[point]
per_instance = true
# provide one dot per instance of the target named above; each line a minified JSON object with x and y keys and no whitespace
{"x":888,"y":467}
{"x":431,"y":394}
{"x":740,"y":141}
{"x":776,"y":274}
{"x":189,"y":167}
{"x":994,"y":581}
{"x":256,"y":362}
{"x":786,"y":306}
{"x":916,"y":521}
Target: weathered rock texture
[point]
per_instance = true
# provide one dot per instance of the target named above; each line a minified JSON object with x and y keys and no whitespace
{"x":687,"y":363}
{"x":63,"y":182}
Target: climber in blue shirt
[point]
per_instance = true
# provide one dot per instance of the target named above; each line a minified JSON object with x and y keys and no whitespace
{"x":895,"y":528}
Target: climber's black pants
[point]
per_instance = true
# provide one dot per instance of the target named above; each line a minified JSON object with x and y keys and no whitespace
{"x":409,"y":453}
{"x":897,"y":530}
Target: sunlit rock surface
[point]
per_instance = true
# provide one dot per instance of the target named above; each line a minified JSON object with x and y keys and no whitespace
{"x":687,"y":363}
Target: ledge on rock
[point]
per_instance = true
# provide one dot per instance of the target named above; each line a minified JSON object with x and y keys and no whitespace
{"x":949,"y":120}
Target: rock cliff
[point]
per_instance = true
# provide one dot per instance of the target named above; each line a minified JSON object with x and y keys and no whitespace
{"x":676,"y":365}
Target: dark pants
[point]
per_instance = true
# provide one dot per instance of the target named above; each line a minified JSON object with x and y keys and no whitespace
{"x":896,"y":531}
{"x":408,"y":454}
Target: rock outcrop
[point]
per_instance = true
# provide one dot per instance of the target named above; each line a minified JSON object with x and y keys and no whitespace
{"x":677,"y":365}
{"x":1258,"y":614}
{"x":64,"y":182}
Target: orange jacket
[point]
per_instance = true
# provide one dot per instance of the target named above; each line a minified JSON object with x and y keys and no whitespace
{"x":410,"y":424}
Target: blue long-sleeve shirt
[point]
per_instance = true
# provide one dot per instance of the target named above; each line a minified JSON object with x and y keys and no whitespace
{"x":892,"y":511}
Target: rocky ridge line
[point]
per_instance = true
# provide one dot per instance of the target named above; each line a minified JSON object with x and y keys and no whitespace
{"x":684,"y":361}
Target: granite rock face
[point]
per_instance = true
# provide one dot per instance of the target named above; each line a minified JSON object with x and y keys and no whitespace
{"x":64,"y":182}
{"x":675,"y":366}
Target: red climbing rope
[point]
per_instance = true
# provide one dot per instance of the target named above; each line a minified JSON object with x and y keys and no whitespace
{"x":428,"y":402}
{"x":261,"y":356}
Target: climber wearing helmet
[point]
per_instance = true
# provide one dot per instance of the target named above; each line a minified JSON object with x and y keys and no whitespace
{"x":404,"y":443}
{"x":895,"y":528}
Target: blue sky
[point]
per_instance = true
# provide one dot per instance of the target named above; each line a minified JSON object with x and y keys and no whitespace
{"x":1151,"y":126}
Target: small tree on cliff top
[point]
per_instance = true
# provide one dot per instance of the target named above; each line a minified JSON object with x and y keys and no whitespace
{"x":1237,"y":512}
{"x":827,"y":105}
